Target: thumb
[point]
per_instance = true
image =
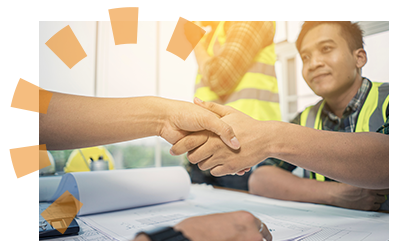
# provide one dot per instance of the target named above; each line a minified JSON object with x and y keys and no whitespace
{"x":214,"y":124}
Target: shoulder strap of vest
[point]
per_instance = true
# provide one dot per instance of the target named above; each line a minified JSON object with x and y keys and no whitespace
{"x":374,"y":110}
{"x":311,"y":116}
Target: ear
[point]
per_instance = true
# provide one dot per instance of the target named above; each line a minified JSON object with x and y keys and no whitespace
{"x":361,"y":57}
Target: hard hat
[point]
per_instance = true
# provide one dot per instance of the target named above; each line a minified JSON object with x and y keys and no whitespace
{"x":79,"y":160}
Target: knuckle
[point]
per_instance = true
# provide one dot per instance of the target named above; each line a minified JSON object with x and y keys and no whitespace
{"x":246,"y":216}
{"x":209,"y":105}
{"x":231,"y":168}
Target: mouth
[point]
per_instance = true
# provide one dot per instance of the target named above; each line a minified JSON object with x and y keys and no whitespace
{"x":319,"y":77}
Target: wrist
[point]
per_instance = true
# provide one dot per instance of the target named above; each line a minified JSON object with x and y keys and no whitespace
{"x":161,"y":113}
{"x":271,"y":147}
{"x":331,"y":197}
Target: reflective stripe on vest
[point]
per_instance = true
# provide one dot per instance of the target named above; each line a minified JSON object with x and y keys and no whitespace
{"x":371,"y":116}
{"x":257,"y":92}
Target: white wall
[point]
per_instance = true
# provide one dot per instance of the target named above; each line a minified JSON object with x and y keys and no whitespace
{"x":54,"y":74}
{"x":377,"y":47}
{"x":131,"y":69}
{"x":127,"y":69}
{"x":177,"y":77}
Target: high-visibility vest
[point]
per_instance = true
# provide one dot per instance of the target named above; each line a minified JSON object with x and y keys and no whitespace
{"x":256,"y":94}
{"x":372,"y":115}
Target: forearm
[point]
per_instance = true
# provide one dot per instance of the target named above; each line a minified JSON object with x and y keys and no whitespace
{"x":88,"y":121}
{"x":276,"y":183}
{"x":359,"y":159}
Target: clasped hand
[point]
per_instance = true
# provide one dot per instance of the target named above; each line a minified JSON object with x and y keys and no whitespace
{"x":208,"y":151}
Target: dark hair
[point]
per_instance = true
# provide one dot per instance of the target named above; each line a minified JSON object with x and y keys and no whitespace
{"x":351,"y":32}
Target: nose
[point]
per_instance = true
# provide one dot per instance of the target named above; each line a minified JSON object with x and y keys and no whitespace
{"x":315,"y":62}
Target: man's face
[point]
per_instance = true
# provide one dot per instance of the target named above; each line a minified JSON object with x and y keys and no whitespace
{"x":329,"y":68}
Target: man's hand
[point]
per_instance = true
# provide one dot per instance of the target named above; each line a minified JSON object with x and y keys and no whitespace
{"x":214,"y":155}
{"x":240,"y":226}
{"x":180,"y":118}
{"x":347,"y":196}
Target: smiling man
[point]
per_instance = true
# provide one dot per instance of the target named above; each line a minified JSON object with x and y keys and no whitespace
{"x":332,"y":55}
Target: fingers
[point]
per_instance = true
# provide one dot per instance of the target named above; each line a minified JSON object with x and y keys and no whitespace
{"x":263,"y":229}
{"x":189,"y":143}
{"x":383,"y":192}
{"x":242,"y":172}
{"x":216,"y":125}
{"x":221,"y":170}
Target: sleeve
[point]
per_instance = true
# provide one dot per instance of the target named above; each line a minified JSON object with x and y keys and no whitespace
{"x":244,"y":40}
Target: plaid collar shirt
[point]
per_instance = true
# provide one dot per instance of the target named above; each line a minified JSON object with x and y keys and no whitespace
{"x":347,"y":123}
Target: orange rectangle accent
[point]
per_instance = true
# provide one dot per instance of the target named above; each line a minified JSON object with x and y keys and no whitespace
{"x":62,"y":211}
{"x":124,"y":23}
{"x":125,"y":32}
{"x":67,"y":47}
{"x":124,"y":14}
{"x":185,"y":37}
{"x":30,"y":97}
{"x":44,"y":100}
{"x":26,"y":96}
{"x":25,"y":160}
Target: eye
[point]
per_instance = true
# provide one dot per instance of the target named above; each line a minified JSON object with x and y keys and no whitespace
{"x":304,"y":57}
{"x":326,"y":48}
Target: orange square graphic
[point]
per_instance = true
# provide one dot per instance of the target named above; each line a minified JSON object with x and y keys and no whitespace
{"x":44,"y":100}
{"x":185,"y":37}
{"x":124,"y":23}
{"x":27,"y":160}
{"x":26,"y":96}
{"x":124,"y":14}
{"x":30,"y":97}
{"x":125,"y":32}
{"x":62,"y":211}
{"x":67,"y":47}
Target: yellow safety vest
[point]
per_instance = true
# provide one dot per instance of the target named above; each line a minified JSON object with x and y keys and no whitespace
{"x":257,"y":92}
{"x":371,"y":116}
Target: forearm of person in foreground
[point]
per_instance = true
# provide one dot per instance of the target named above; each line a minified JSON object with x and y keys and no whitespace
{"x":77,"y":121}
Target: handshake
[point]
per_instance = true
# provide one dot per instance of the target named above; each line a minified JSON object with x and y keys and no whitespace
{"x":216,"y":137}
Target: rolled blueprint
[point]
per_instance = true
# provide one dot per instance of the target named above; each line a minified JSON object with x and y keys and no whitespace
{"x":104,"y":191}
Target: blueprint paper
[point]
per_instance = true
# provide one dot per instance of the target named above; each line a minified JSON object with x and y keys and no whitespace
{"x":289,"y":221}
{"x":104,"y":191}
